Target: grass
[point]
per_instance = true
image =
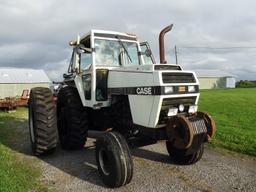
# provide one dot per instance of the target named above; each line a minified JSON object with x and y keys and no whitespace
{"x":17,"y":172}
{"x":234,"y":111}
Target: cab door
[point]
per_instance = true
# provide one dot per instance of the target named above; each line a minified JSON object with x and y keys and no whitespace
{"x":84,"y":79}
{"x":85,"y":68}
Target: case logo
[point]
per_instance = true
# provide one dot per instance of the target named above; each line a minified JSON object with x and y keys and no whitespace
{"x":144,"y":91}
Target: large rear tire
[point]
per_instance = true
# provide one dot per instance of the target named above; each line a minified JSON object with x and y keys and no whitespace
{"x":179,"y":155}
{"x":114,"y":160}
{"x":72,"y":119}
{"x":42,"y":121}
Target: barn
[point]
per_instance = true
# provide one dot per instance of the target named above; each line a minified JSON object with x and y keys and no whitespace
{"x":14,"y":80}
{"x":210,"y":79}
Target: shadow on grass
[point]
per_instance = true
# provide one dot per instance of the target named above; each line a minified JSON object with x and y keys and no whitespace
{"x":79,"y":163}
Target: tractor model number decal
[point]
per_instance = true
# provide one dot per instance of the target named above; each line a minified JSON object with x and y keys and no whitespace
{"x":144,"y":91}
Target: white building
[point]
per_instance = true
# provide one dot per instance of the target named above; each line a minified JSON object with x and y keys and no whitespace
{"x":14,"y":80}
{"x":210,"y":79}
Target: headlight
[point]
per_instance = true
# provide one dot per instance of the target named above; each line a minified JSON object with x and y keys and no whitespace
{"x":172,"y":112}
{"x":192,"y":109}
{"x":181,"y":108}
{"x":168,"y":90}
{"x":191,"y":88}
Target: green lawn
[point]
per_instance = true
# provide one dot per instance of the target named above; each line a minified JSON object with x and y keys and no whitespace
{"x":234,"y":111}
{"x":17,"y":172}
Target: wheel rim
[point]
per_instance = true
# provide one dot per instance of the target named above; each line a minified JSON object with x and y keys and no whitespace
{"x":104,"y":161}
{"x":31,"y":125}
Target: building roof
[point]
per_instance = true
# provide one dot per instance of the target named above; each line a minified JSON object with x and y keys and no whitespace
{"x":20,"y":75}
{"x":212,"y":73}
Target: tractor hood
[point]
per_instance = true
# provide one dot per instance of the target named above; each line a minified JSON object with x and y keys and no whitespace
{"x":152,"y":89}
{"x":151,"y":68}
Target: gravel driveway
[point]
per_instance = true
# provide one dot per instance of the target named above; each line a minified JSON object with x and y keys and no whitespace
{"x":217,"y":171}
{"x":76,"y":171}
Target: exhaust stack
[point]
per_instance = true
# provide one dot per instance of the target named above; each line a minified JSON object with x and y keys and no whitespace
{"x":161,"y":43}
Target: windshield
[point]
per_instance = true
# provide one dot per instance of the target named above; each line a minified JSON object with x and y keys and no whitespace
{"x":116,"y":53}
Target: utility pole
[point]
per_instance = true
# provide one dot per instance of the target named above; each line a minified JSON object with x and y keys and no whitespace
{"x":176,"y":54}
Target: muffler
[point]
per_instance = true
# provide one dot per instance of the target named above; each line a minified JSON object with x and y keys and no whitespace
{"x":182,"y":130}
{"x":161,"y":43}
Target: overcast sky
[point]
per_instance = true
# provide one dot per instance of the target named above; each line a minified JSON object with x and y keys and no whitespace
{"x":35,"y":34}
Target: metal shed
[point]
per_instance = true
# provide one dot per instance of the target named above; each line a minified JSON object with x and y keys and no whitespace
{"x":210,"y":79}
{"x":14,"y":80}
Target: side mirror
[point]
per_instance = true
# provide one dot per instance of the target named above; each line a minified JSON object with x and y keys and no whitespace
{"x":82,"y":49}
{"x":147,"y":52}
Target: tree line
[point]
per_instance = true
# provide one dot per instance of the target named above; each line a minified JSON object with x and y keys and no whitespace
{"x":245,"y":83}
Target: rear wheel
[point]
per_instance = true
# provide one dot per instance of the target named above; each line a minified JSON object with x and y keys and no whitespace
{"x":42,"y":121}
{"x":114,"y":160}
{"x":179,"y":155}
{"x":72,"y":119}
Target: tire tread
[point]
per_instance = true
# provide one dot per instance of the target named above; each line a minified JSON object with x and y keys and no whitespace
{"x":45,"y":122}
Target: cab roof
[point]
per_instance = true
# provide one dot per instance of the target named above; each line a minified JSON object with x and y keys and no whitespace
{"x":106,"y":34}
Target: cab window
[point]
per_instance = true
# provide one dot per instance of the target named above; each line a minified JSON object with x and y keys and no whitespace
{"x":116,"y":52}
{"x":85,"y":58}
{"x":147,"y":59}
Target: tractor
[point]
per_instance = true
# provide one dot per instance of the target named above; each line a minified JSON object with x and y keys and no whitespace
{"x":115,"y":92}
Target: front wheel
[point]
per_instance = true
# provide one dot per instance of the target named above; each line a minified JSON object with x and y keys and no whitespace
{"x":114,"y":160}
{"x":179,"y":155}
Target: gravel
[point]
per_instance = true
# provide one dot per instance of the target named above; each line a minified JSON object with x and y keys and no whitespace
{"x":216,"y":171}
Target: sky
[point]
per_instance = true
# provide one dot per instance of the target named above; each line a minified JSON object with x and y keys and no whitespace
{"x":35,"y":34}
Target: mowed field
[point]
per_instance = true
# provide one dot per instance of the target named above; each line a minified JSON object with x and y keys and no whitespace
{"x":234,"y":111}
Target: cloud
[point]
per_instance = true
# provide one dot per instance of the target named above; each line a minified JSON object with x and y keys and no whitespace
{"x":36,"y":34}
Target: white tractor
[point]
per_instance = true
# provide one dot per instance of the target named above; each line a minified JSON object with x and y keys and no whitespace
{"x":115,"y":92}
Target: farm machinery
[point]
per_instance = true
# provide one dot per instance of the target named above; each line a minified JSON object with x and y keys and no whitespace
{"x":116,"y":92}
{"x":10,"y":103}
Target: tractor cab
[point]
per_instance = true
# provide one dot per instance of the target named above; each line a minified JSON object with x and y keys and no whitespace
{"x":109,"y":49}
{"x":99,"y":52}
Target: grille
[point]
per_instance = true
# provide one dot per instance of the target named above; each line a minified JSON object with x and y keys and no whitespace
{"x":174,"y":102}
{"x":198,"y":125}
{"x":178,"y":78}
{"x":167,"y":67}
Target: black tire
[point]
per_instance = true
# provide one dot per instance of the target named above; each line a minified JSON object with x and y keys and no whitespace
{"x":42,"y":121}
{"x":178,"y":155}
{"x":114,"y":160}
{"x":121,"y":115}
{"x":72,"y":119}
